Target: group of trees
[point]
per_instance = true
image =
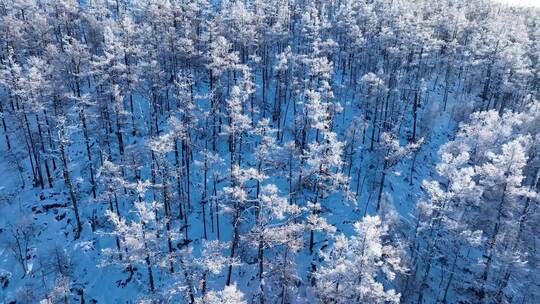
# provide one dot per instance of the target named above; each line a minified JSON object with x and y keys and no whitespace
{"x":213,"y":147}
{"x":484,"y":209}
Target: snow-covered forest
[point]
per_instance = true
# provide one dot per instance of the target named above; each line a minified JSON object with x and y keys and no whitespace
{"x":269,"y":151}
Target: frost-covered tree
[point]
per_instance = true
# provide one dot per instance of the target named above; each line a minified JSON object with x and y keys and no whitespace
{"x":357,"y":268}
{"x":229,"y":295}
{"x":237,"y":198}
{"x":139,"y":235}
{"x":275,"y":228}
{"x":484,"y":193}
{"x":393,"y":153}
{"x":64,"y":141}
{"x":322,"y":157}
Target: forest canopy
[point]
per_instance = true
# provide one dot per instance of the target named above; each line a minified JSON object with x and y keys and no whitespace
{"x":269,"y":151}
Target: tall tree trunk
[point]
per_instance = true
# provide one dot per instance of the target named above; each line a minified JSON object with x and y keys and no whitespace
{"x":67,"y":180}
{"x":491,"y":247}
{"x":2,"y":114}
{"x":234,"y":246}
{"x":42,"y":145}
{"x":381,"y":188}
{"x":147,"y":260}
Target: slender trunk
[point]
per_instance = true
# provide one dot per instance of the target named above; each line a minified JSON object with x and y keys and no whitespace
{"x":214,"y":192}
{"x":8,"y":143}
{"x":446,"y":86}
{"x":423,"y":284}
{"x":415,"y":115}
{"x":117,"y":238}
{"x":147,"y":260}
{"x":204,"y":200}
{"x":178,"y":179}
{"x":49,"y":133}
{"x":82,"y":115}
{"x":381,"y":188}
{"x":167,"y":208}
{"x":42,"y":143}
{"x":67,"y":181}
{"x":188,"y":174}
{"x":449,"y":283}
{"x":260,"y":251}
{"x":492,"y":243}
{"x":119,"y":135}
{"x":283,"y":278}
{"x":38,"y":178}
{"x":133,"y":124}
{"x":234,"y":245}
{"x":374,"y":124}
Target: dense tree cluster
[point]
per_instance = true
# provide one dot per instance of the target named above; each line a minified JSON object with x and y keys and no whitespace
{"x":274,"y":151}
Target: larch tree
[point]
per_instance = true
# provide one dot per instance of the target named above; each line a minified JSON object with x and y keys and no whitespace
{"x":355,"y":267}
